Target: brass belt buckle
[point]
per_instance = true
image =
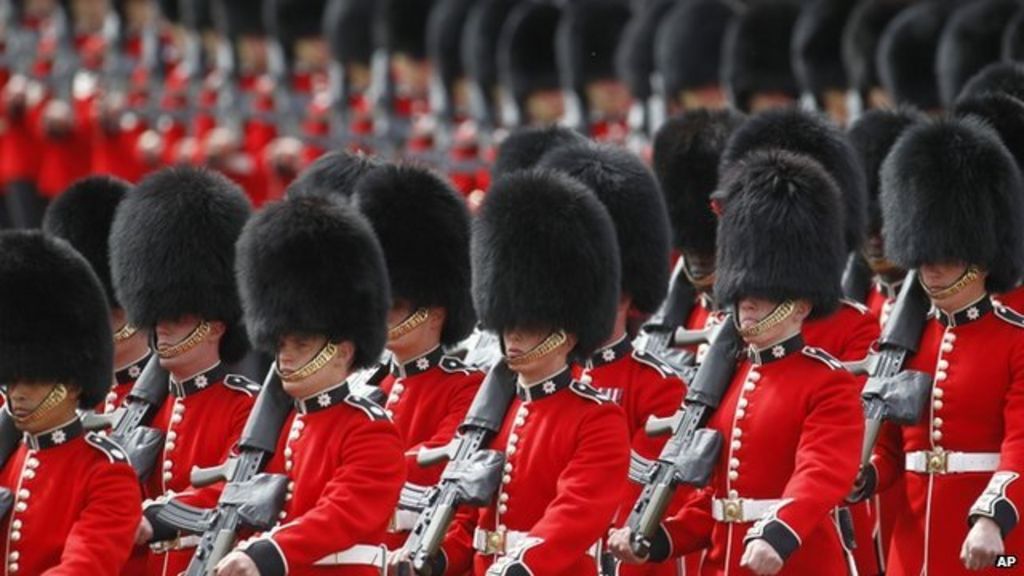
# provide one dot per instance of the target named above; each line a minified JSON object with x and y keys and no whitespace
{"x":732,"y":510}
{"x":495,"y":543}
{"x":938,"y":461}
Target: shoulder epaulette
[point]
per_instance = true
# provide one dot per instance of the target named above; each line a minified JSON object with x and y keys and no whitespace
{"x":588,"y":392}
{"x":654,"y":361}
{"x":369,"y":407}
{"x":453,"y":365}
{"x":856,"y":306}
{"x":1010,"y":316}
{"x":111,"y":449}
{"x":823,"y":357}
{"x":242,"y":384}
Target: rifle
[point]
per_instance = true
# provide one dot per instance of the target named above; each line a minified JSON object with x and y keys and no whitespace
{"x":129,"y":424}
{"x":658,"y":336}
{"x":473,"y":471}
{"x":690,"y":454}
{"x":856,"y":278}
{"x":250,"y":497}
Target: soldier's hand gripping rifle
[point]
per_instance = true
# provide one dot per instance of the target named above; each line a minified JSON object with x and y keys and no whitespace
{"x":251,"y":498}
{"x":129,"y":424}
{"x":658,"y":336}
{"x":473,"y":471}
{"x":690,"y":454}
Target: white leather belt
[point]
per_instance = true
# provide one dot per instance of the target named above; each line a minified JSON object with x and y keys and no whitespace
{"x":499,"y":543}
{"x":942,"y":462}
{"x":180,"y":543}
{"x":358,"y":555}
{"x":403,"y":520}
{"x":733,"y":510}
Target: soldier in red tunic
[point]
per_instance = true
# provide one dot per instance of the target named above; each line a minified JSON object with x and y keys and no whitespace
{"x":75,"y":497}
{"x":952,"y":198}
{"x":638,"y":381}
{"x":315,"y":289}
{"x":171,"y":257}
{"x":423,"y":226}
{"x":527,"y":66}
{"x":790,"y":421}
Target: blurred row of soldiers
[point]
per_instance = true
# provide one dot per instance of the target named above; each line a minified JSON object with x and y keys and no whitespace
{"x":258,"y":90}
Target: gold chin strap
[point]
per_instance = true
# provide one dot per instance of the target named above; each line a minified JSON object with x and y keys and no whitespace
{"x":547,"y":346}
{"x":969,"y":275}
{"x":703,"y":283}
{"x":57,"y":395}
{"x":312,"y":367}
{"x":201,"y":331}
{"x":124,"y":332}
{"x":414,"y":321}
{"x":777,"y":316}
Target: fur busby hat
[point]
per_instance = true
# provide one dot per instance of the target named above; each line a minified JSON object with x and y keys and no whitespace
{"x":196,"y":15}
{"x":586,"y":42}
{"x":1005,"y":77}
{"x":629,"y":191}
{"x":872,"y":136}
{"x":1013,"y":38}
{"x":778,"y":237}
{"x":524,"y":147}
{"x":527,"y":62}
{"x":954,"y":193}
{"x":687,"y":151}
{"x":817,"y":46}
{"x":860,"y":39}
{"x":235,"y":18}
{"x":82,"y":215}
{"x":545,"y":257}
{"x":348,"y":27}
{"x":971,"y":40}
{"x":634,"y":59}
{"x":755,"y":52}
{"x":479,"y":54}
{"x":1003,"y":113}
{"x":170,"y":9}
{"x":333,"y":174}
{"x":402,"y":26}
{"x":423,"y":226}
{"x":444,"y":45}
{"x":292,"y":20}
{"x":906,"y":53}
{"x":688,"y":45}
{"x":313,"y":266}
{"x":814,"y":135}
{"x":54,"y":320}
{"x":172,"y":251}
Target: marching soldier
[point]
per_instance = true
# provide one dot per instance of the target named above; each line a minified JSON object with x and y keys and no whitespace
{"x":423,"y":228}
{"x":71,"y":497}
{"x":791,"y":420}
{"x":82,"y":215}
{"x":860,"y":40}
{"x":171,"y":256}
{"x":348,"y":25}
{"x":315,"y":289}
{"x":952,"y":194}
{"x":527,"y":66}
{"x":635,"y":65}
{"x":546,"y":278}
{"x":756,"y":68}
{"x":905,"y":55}
{"x":817,"y":63}
{"x":688,"y":54}
{"x":638,"y":381}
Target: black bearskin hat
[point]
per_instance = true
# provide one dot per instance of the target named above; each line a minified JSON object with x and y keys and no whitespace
{"x":814,"y":135}
{"x":402,"y":26}
{"x":313,"y":266}
{"x":292,"y":20}
{"x":1005,"y":77}
{"x":82,"y":215}
{"x":526,"y":52}
{"x":479,"y":54}
{"x":444,"y":46}
{"x":629,"y":191}
{"x":586,"y":42}
{"x":872,"y":136}
{"x":333,"y":174}
{"x":545,"y":258}
{"x":1013,"y":38}
{"x":634,"y":59}
{"x":688,"y":46}
{"x":172,"y":251}
{"x":423,"y":226}
{"x":524,"y":147}
{"x":778,"y":237}
{"x":954,"y":194}
{"x":817,"y":46}
{"x":348,"y":27}
{"x":906,"y":53}
{"x":54,"y":320}
{"x":235,"y":18}
{"x":1002,"y":112}
{"x":860,"y":40}
{"x":196,"y":15}
{"x":755,"y":53}
{"x":971,"y":40}
{"x":687,"y":151}
{"x":170,"y":9}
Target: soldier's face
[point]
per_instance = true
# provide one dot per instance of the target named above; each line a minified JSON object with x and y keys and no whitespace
{"x":89,"y":14}
{"x":938,"y":276}
{"x":769,"y":100}
{"x":750,"y":311}
{"x":24,"y":399}
{"x":295,"y":351}
{"x":170,"y":332}
{"x":712,"y":97}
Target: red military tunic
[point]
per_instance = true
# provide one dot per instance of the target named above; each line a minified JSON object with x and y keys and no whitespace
{"x":976,"y":406}
{"x":644,"y":386}
{"x":76,"y":505}
{"x":791,"y":423}
{"x":343,"y":458}
{"x":202,"y":419}
{"x":428,"y":398}
{"x":567,"y":457}
{"x":1013,"y":299}
{"x":124,"y":379}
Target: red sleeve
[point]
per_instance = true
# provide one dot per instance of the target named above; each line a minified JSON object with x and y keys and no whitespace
{"x":458,"y":541}
{"x":207,"y":496}
{"x":101,"y":540}
{"x":860,"y":336}
{"x":888,"y":458}
{"x":460,"y":398}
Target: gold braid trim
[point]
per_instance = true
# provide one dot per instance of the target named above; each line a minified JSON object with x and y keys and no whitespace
{"x":777,"y":316}
{"x":969,"y":275}
{"x":414,"y":321}
{"x":547,"y":346}
{"x":57,"y":395}
{"x":201,"y":331}
{"x":312,"y":367}
{"x":124,"y":332}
